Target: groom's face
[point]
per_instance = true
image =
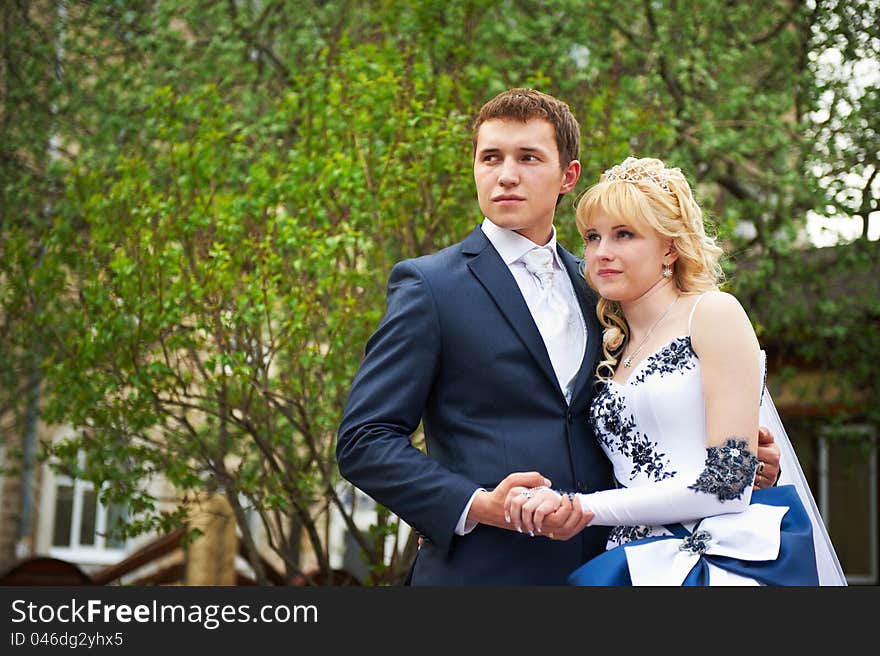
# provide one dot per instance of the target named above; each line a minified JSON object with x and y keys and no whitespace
{"x":519,"y":176}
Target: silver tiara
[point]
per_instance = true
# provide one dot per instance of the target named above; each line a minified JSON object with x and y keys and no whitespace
{"x":630,"y":170}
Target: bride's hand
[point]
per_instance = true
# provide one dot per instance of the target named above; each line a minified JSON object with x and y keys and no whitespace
{"x":527,"y":507}
{"x":569,"y":520}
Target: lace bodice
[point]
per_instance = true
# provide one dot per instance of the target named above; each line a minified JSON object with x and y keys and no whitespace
{"x":653,"y":426}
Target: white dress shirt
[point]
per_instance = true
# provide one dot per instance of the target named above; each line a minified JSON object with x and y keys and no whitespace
{"x":511,"y":246}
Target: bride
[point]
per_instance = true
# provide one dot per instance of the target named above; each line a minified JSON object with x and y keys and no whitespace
{"x":679,"y":409}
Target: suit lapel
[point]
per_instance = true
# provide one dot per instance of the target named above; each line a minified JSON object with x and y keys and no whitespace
{"x":493,"y":274}
{"x":587,"y":301}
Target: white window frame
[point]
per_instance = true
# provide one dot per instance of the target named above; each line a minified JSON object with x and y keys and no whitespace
{"x":93,"y":554}
{"x":824,"y":500}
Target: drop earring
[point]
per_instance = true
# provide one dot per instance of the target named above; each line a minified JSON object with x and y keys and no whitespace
{"x":667,"y":271}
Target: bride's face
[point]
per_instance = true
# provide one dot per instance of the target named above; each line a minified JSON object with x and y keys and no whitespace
{"x":624,"y":259}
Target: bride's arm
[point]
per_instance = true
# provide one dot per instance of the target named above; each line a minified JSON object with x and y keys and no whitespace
{"x":723,"y":339}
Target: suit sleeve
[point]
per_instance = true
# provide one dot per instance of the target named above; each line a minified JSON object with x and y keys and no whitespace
{"x":385,"y":406}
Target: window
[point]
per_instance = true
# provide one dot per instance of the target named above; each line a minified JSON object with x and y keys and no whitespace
{"x":82,"y":526}
{"x":344,"y":550}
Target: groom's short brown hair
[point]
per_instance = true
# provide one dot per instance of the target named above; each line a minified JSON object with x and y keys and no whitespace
{"x":522,"y":104}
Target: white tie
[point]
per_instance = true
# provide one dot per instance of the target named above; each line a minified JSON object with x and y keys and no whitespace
{"x":552,"y":314}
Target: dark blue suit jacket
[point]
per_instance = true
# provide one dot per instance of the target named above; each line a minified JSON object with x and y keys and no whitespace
{"x":459,"y":351}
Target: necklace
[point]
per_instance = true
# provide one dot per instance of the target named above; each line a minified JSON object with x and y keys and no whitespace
{"x":627,"y":361}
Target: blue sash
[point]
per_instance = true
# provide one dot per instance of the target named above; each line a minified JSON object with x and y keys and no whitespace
{"x":795,"y":565}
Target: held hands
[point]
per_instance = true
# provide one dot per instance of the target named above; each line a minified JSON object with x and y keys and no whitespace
{"x":488,"y":507}
{"x":526,"y":508}
{"x":542,"y":511}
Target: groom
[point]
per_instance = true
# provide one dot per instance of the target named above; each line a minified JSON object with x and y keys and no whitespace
{"x":494,"y":355}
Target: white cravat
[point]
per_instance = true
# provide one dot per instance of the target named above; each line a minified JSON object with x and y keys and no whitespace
{"x":552,"y":315}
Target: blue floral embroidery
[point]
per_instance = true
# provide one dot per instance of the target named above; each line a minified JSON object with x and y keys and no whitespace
{"x":729,"y":470}
{"x":763,"y":387}
{"x":675,"y":356}
{"x":646,"y":461}
{"x":697,"y":542}
{"x":607,"y":414}
{"x":616,"y":429}
{"x":623,"y":534}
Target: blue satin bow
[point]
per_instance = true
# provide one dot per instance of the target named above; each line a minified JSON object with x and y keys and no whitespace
{"x":794,"y":566}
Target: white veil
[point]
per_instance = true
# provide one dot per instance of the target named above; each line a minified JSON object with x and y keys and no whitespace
{"x":830,"y":571}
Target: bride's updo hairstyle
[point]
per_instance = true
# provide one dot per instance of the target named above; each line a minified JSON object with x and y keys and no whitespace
{"x":645,"y":193}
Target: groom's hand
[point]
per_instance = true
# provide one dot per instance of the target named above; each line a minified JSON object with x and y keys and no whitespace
{"x":768,"y":460}
{"x":488,"y":507}
{"x":568,"y":520}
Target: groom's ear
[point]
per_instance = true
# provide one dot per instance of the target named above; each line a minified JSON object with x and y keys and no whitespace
{"x":570,"y":175}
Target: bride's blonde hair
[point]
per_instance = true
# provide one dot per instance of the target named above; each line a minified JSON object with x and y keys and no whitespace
{"x":644,"y":192}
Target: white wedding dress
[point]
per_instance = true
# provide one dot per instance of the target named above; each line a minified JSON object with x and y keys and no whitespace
{"x":652,"y":428}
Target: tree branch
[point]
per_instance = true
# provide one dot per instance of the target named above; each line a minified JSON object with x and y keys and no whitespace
{"x":776,"y":29}
{"x":672,"y":83}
